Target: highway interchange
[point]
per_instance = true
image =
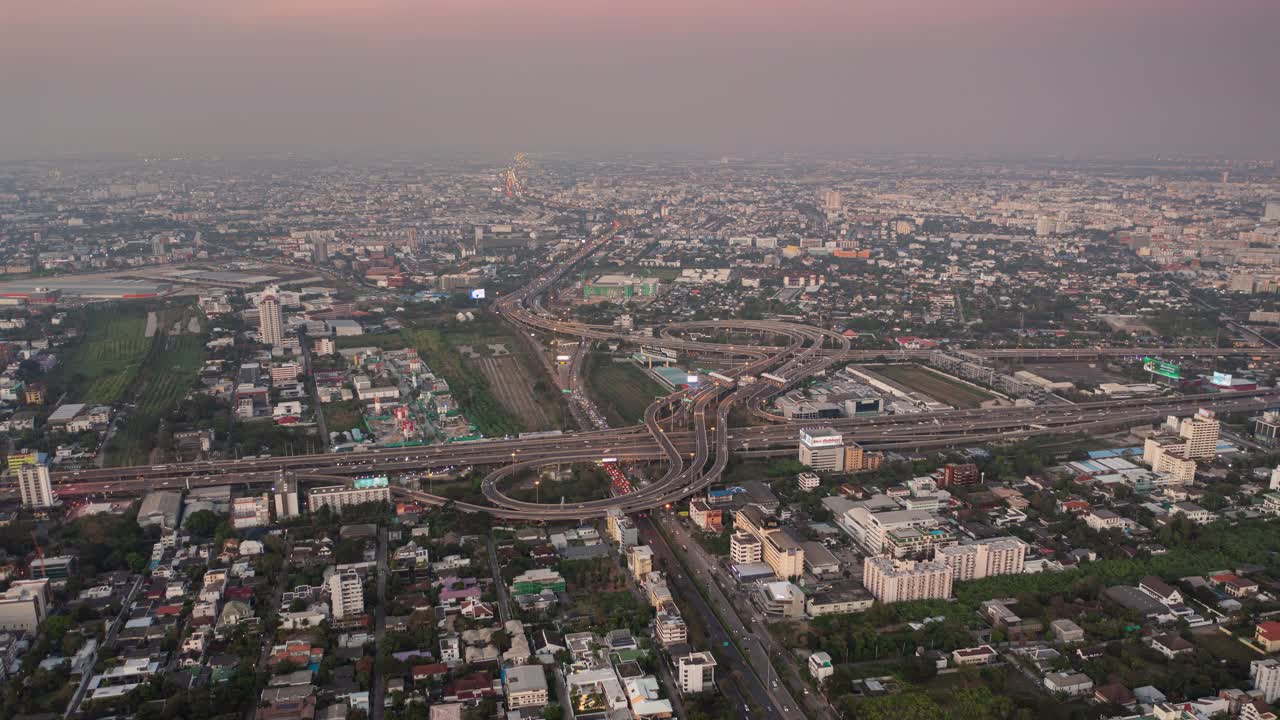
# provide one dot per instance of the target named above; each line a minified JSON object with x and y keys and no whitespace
{"x":698,"y":452}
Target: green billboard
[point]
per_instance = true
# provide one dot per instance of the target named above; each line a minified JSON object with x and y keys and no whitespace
{"x":1162,"y":368}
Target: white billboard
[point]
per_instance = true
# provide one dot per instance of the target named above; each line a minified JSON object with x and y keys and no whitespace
{"x":477,"y":294}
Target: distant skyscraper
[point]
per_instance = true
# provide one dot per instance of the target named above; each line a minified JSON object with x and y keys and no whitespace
{"x":158,"y":245}
{"x":270,"y":318}
{"x":832,"y":201}
{"x":34,"y":486}
{"x":1045,"y":226}
{"x":319,"y":251}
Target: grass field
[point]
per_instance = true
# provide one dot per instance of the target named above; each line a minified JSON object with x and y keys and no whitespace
{"x":1222,"y":645}
{"x":623,"y":390}
{"x":109,"y":355}
{"x":166,"y":378}
{"x":951,"y":392}
{"x":343,"y":416}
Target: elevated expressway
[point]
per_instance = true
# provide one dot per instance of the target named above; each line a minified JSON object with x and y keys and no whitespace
{"x":694,"y":458}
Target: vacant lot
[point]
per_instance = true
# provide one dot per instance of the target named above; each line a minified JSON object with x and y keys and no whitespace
{"x":109,"y":356}
{"x":623,"y":390}
{"x":951,"y":392}
{"x":166,"y":379}
{"x":510,"y":382}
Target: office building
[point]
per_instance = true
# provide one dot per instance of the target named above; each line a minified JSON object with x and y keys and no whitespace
{"x":808,"y":481}
{"x":745,"y":548}
{"x":24,"y":605}
{"x":779,"y":550}
{"x":959,"y":474}
{"x":270,"y":317}
{"x":619,"y":287}
{"x":822,"y":449}
{"x":57,"y":567}
{"x":696,"y":672}
{"x":893,"y":581}
{"x":35,"y":487}
{"x":832,"y":201}
{"x":974,"y":561}
{"x":346,"y":594}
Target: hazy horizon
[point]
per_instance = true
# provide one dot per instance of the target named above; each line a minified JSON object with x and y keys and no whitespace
{"x":982,"y":77}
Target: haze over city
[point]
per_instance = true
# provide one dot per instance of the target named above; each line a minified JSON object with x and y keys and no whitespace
{"x":985,"y":77}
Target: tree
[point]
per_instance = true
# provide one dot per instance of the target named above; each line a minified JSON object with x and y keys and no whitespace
{"x":202,"y":523}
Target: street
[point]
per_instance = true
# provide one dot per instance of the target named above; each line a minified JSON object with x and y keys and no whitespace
{"x":774,"y":705}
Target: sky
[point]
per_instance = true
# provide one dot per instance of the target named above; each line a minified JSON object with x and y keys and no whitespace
{"x":994,"y":77}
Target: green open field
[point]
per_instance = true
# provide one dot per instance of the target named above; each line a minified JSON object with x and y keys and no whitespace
{"x":166,"y":378}
{"x":623,"y":390}
{"x":951,"y":392}
{"x":343,"y":416}
{"x":108,"y":356}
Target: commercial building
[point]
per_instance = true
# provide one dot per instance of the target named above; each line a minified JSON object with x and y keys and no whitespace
{"x":838,"y":602}
{"x":974,"y":561}
{"x":780,"y":551}
{"x":696,"y":672}
{"x":892,"y":580}
{"x":619,"y":287}
{"x":706,"y":517}
{"x":1201,"y":431}
{"x":346,"y":594}
{"x":856,"y":459}
{"x":622,"y":529}
{"x":35,"y":487}
{"x":808,"y":481}
{"x":822,"y":449}
{"x":250,"y":512}
{"x":959,"y":474}
{"x":270,"y":317}
{"x":338,"y":497}
{"x":525,"y":686}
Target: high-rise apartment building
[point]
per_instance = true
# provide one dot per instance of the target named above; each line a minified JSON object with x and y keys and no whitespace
{"x":891,"y":581}
{"x":1201,"y":432}
{"x":35,"y":487}
{"x":346,"y":594}
{"x":270,"y":317}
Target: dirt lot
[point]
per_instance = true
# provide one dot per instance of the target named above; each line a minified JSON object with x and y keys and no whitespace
{"x":951,"y":392}
{"x":512,"y":386}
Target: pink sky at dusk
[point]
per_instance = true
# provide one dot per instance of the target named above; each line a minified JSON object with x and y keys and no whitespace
{"x":982,"y":75}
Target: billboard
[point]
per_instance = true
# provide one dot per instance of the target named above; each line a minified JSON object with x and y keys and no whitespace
{"x":365,"y":483}
{"x":1221,"y":378}
{"x":1162,"y":368}
{"x":691,"y":379}
{"x":477,"y":293}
